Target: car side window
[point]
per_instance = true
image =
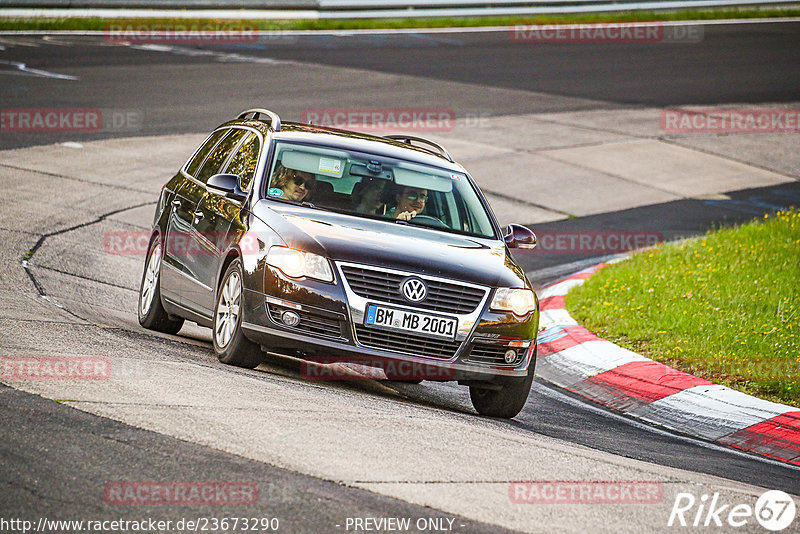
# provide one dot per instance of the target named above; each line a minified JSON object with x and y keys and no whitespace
{"x":245,"y":160}
{"x":219,"y":155}
{"x":202,"y":152}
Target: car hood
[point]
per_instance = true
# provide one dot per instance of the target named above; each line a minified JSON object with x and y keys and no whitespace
{"x":345,"y":238}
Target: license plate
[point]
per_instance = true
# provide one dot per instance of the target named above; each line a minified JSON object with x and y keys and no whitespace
{"x":409,"y":321}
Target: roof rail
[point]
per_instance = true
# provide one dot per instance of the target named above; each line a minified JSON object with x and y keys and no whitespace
{"x":274,"y":119}
{"x":442,"y":151}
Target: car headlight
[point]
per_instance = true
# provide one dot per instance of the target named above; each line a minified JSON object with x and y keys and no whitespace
{"x":518,"y":301}
{"x":298,"y":264}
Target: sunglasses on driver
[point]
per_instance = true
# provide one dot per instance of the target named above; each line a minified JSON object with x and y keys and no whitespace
{"x":414,"y":196}
{"x":300,"y":180}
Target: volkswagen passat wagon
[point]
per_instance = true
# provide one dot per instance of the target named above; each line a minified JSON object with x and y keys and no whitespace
{"x":331,"y":245}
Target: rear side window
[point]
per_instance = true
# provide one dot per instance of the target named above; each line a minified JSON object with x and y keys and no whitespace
{"x":245,"y":160}
{"x":219,"y":155}
{"x":200,"y":155}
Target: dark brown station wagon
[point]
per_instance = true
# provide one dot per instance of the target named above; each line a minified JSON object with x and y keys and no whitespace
{"x":336,"y":246}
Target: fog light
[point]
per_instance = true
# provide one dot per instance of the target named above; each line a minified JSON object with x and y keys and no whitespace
{"x":510,"y":356}
{"x":290,"y":318}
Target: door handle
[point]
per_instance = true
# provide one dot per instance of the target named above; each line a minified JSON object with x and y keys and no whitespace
{"x":198,"y":215}
{"x":176,"y":203}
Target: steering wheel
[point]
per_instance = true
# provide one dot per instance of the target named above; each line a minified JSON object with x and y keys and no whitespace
{"x":429,"y":220}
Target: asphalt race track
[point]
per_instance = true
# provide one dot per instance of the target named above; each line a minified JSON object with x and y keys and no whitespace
{"x":58,"y":456}
{"x":180,"y":90}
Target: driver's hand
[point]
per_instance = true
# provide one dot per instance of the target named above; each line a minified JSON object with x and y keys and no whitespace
{"x":406,"y":215}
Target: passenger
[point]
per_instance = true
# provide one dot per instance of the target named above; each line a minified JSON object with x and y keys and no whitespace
{"x":293,"y":185}
{"x":410,"y":203}
{"x":370,"y":197}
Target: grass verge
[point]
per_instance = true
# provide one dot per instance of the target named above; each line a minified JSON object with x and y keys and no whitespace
{"x":724,"y":307}
{"x":94,"y":23}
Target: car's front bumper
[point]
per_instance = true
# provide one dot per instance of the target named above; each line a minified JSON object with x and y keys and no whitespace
{"x":332,"y":328}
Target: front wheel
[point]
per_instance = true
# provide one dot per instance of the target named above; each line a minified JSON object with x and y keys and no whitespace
{"x":152,"y":314}
{"x":230,"y":344}
{"x":507,"y":401}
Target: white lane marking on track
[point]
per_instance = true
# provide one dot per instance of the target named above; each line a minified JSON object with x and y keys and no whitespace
{"x":711,"y":411}
{"x":19,"y":42}
{"x":222,"y":57}
{"x":557,"y":317}
{"x":64,"y":40}
{"x":566,"y":399}
{"x":55,"y":41}
{"x":561,"y":288}
{"x":591,"y":358}
{"x":24,"y":69}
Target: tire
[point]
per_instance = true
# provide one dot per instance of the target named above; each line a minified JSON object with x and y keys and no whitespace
{"x":231,"y":346}
{"x":152,"y":314}
{"x":506,"y":402}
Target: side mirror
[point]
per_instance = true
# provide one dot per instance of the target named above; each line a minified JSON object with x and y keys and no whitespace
{"x":520,"y":237}
{"x":226,"y":185}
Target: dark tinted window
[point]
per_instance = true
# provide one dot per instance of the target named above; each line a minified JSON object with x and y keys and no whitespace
{"x":219,"y":155}
{"x":369,"y":185}
{"x":245,"y":160}
{"x":201,"y":154}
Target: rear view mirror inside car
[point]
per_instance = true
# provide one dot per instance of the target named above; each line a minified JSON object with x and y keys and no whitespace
{"x":362,"y":170}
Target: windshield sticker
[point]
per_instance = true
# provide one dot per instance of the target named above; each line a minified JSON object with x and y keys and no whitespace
{"x":456,"y":177}
{"x":275,"y":192}
{"x":330,"y":165}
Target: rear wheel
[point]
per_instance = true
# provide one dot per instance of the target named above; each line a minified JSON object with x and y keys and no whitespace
{"x":507,"y":401}
{"x":230,"y":344}
{"x":152,"y":314}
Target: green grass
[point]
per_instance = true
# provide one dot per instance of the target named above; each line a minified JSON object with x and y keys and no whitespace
{"x":724,"y":307}
{"x":89,"y":23}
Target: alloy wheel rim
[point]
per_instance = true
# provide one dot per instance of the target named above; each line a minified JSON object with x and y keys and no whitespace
{"x":227,"y":314}
{"x":150,"y":279}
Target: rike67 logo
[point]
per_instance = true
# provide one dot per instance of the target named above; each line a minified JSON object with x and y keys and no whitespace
{"x":774,"y":510}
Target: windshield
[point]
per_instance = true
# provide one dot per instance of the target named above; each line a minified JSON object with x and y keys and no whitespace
{"x":372,"y":186}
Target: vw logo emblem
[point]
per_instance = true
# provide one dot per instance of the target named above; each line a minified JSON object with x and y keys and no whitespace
{"x":414,"y":289}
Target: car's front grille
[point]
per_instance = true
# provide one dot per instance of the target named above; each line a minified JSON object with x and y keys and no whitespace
{"x":310,"y":322}
{"x":492,"y":354}
{"x":385,"y":286}
{"x":406,"y":343}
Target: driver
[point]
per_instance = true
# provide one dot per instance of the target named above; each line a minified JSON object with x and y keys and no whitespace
{"x":410,"y":203}
{"x":291,"y":184}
